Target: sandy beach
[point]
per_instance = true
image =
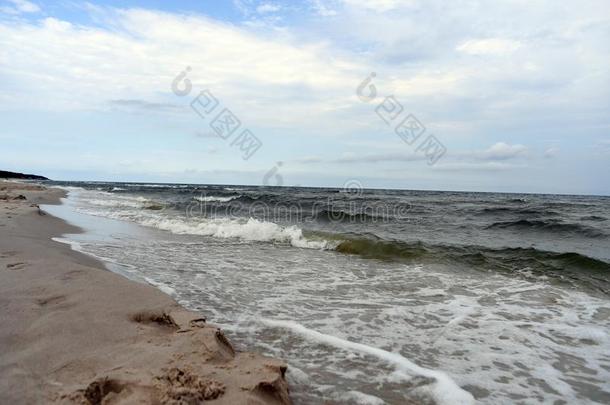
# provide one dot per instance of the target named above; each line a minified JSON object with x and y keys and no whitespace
{"x":74,"y":332}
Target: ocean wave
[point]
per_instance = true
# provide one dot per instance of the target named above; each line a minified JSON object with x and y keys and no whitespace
{"x":517,"y":200}
{"x":212,"y":198}
{"x":115,"y":202}
{"x":260,"y":198}
{"x":568,"y":267}
{"x":249,"y":230}
{"x":381,"y":249}
{"x":343,"y":216}
{"x":518,"y":211}
{"x":160,"y":185}
{"x":593,"y":218}
{"x":549,"y":225}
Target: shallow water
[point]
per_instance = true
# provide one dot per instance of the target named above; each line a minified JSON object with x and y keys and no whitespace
{"x":355,"y":329}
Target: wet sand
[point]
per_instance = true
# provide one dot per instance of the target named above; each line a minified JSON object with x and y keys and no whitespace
{"x":73,"y":332}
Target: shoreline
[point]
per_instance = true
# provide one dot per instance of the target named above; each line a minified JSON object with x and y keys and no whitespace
{"x":75,"y":332}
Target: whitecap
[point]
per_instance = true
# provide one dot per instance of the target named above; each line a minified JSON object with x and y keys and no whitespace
{"x":211,"y":198}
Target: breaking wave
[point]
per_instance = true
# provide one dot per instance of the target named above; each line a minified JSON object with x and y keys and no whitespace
{"x":249,"y":230}
{"x":212,"y":198}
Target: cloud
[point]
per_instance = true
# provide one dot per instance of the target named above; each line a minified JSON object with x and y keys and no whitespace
{"x":551,"y":152}
{"x":309,"y":159}
{"x":135,"y":54}
{"x":477,"y":167}
{"x":489,"y":46}
{"x":604,"y":142}
{"x":20,"y":6}
{"x":378,"y":5}
{"x":379,"y":158}
{"x":322,"y":9}
{"x":265,"y":8}
{"x":350,"y":158}
{"x":490,"y":158}
{"x":207,"y":134}
{"x":145,"y":105}
{"x":501,"y":151}
{"x":299,"y":80}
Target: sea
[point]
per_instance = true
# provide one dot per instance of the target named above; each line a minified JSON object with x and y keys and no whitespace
{"x":376,"y":296}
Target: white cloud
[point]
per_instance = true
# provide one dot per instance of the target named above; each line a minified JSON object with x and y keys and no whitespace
{"x":20,"y":6}
{"x":489,"y":46}
{"x":265,"y":8}
{"x":491,"y":158}
{"x":56,"y":65}
{"x":430,"y":82}
{"x":322,"y":9}
{"x":477,"y":167}
{"x":379,"y":158}
{"x":378,"y":5}
{"x":294,"y":75}
{"x":551,"y":152}
{"x":503,"y":151}
{"x":500,"y":151}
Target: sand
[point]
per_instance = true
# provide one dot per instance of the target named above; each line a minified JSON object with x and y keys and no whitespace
{"x":73,"y":332}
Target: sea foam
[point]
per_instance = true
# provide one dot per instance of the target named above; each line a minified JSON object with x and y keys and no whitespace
{"x":250,"y":230}
{"x":212,"y":198}
{"x":444,"y":390}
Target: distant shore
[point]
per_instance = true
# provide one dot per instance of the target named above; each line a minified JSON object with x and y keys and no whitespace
{"x":20,"y":176}
{"x":73,"y":332}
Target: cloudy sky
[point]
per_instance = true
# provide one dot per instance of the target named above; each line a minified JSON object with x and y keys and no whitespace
{"x":517,"y":92}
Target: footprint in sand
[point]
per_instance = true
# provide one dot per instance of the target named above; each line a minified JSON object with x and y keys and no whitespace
{"x":52,"y":300}
{"x":15,"y":266}
{"x":10,"y":253}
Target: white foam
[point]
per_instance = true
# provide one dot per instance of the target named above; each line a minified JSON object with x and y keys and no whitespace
{"x":125,"y":207}
{"x":160,"y":185}
{"x":73,"y":244}
{"x":297,"y":375}
{"x":78,"y":247}
{"x":359,"y":398}
{"x":444,"y":389}
{"x":115,"y":203}
{"x":163,"y":287}
{"x":250,"y":230}
{"x":110,"y":200}
{"x":211,"y":198}
{"x":596,"y":335}
{"x":501,"y":335}
{"x":68,"y":188}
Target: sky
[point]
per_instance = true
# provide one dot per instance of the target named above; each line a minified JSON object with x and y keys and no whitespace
{"x":513,"y":95}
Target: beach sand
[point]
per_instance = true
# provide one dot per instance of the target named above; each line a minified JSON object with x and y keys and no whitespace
{"x":73,"y":332}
